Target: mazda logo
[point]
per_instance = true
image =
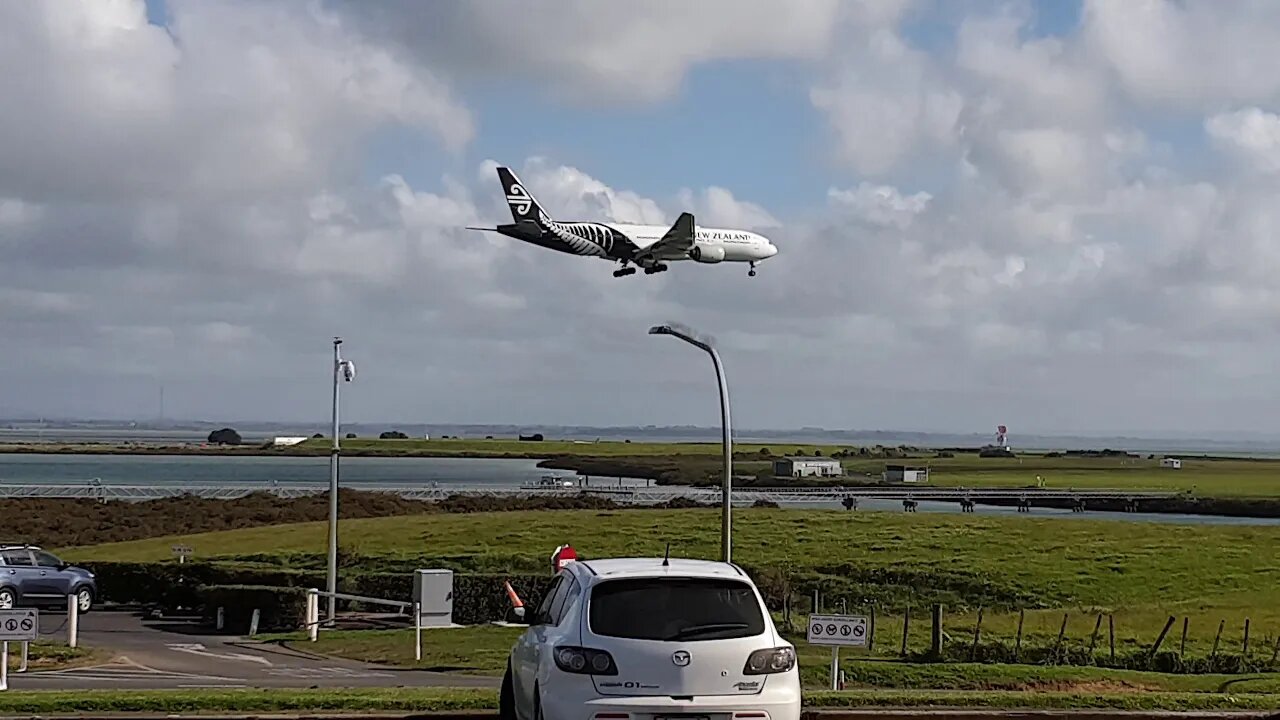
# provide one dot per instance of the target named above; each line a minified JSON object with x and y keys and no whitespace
{"x":680,"y":658}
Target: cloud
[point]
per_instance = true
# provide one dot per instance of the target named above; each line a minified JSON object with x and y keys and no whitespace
{"x":235,"y":100}
{"x":606,"y":53}
{"x":1009,"y":226}
{"x":1251,"y":135}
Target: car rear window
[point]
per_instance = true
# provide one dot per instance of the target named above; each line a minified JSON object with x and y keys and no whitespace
{"x":675,"y":609}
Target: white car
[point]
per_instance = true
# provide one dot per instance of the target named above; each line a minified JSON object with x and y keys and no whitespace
{"x":651,"y":639}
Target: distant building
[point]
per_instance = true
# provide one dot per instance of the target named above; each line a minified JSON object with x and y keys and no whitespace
{"x":284,"y":441}
{"x":807,"y":467}
{"x":1173,"y":463}
{"x":905,"y":474}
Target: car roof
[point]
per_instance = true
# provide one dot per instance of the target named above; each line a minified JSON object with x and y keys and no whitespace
{"x":617,"y":568}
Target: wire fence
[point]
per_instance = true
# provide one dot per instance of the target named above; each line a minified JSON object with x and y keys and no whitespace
{"x":1133,"y":641}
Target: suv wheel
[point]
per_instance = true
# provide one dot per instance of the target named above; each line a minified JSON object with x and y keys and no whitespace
{"x":84,"y":600}
{"x":7,"y":599}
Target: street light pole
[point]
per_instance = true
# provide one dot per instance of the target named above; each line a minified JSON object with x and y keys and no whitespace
{"x":332,"y":586}
{"x":726,"y":488}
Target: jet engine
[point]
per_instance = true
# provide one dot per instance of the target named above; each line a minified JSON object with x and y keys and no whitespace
{"x":706,"y":253}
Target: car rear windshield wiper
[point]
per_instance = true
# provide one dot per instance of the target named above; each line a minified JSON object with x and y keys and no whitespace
{"x":685,"y":633}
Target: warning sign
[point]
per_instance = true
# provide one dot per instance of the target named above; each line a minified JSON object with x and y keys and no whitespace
{"x":19,"y":625}
{"x":848,"y":630}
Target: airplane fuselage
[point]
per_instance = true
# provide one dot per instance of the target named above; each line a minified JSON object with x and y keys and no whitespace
{"x":606,"y":241}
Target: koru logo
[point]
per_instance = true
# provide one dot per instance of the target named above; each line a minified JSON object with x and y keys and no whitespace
{"x":519,"y":199}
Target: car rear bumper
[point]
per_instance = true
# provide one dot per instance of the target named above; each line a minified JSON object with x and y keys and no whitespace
{"x":770,"y":705}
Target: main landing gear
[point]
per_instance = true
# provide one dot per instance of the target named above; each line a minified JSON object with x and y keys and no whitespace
{"x":752,"y":271}
{"x":624,"y":271}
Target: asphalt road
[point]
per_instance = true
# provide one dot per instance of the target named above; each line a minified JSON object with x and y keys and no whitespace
{"x":168,"y":654}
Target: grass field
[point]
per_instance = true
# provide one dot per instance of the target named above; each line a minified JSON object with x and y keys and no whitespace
{"x":1142,"y":572}
{"x":483,"y":651}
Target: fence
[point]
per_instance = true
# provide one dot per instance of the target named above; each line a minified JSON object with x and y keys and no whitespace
{"x":1178,"y":644}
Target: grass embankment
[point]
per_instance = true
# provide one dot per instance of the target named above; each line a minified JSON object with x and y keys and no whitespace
{"x":1143,"y":573}
{"x":482,"y":651}
{"x":26,"y":703}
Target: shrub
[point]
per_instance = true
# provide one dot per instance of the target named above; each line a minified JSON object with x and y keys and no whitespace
{"x":280,"y":608}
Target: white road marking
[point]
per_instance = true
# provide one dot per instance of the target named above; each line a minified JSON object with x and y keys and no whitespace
{"x":322,"y":672}
{"x":199,"y":649}
{"x":122,"y":669}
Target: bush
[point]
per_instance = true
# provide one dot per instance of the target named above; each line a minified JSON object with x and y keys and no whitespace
{"x":477,"y":597}
{"x":280,"y":608}
{"x":225,"y":436}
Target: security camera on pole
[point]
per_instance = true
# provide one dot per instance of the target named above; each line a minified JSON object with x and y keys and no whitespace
{"x":346,"y":370}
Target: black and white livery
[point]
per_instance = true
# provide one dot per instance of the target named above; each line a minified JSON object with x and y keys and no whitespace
{"x":649,"y":247}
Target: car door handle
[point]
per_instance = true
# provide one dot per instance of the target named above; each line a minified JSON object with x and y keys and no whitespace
{"x":44,"y":572}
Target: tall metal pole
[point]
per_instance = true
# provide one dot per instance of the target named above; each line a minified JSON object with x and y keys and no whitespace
{"x":726,"y":492}
{"x":333,"y":490}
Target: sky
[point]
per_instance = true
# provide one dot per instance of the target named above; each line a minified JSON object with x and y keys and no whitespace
{"x":1060,"y":216}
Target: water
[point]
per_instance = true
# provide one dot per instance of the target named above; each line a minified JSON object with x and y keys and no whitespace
{"x":211,"y":469}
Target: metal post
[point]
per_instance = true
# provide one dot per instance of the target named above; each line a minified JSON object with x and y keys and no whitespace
{"x":417,"y":631}
{"x":835,"y":667}
{"x":26,"y":651}
{"x":73,"y":621}
{"x":4,"y":665}
{"x":253,"y":622}
{"x":332,"y":584}
{"x":726,"y":492}
{"x":313,"y":614}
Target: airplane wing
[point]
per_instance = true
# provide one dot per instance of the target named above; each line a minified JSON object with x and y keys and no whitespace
{"x":679,"y":239}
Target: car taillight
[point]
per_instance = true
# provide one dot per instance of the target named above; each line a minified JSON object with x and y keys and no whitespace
{"x":584,"y":661}
{"x":770,"y":661}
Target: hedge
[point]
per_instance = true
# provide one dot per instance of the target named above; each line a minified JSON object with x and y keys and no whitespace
{"x":280,"y":608}
{"x":478,"y":597}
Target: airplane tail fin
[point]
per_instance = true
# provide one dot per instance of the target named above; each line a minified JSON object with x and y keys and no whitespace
{"x":524,"y":208}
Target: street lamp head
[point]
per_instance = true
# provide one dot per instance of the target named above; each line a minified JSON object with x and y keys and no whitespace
{"x":660,"y":330}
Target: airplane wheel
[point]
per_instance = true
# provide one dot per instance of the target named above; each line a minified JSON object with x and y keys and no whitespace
{"x":751,"y":273}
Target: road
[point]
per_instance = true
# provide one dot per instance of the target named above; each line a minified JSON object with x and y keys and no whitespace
{"x":169,"y":654}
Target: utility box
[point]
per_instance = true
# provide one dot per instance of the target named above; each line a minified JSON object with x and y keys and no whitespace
{"x":433,"y":590}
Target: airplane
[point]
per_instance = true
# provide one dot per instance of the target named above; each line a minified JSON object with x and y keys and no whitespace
{"x":649,"y":247}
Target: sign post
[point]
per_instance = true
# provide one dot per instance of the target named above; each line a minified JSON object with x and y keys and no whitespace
{"x":15,"y":626}
{"x":182,"y":552}
{"x":837,"y":631}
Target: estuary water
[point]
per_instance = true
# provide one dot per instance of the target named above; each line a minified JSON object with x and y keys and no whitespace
{"x":55,"y":468}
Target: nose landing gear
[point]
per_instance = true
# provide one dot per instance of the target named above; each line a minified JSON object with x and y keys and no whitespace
{"x":752,"y":271}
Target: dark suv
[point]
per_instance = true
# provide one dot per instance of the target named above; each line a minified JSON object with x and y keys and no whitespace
{"x":30,"y":576}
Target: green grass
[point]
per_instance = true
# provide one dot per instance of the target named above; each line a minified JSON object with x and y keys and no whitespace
{"x":483,"y":651}
{"x":49,"y":655}
{"x":1142,"y":572}
{"x":27,"y":703}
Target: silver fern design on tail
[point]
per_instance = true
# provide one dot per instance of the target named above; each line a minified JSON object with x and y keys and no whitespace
{"x":634,"y":247}
{"x":587,"y":239}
